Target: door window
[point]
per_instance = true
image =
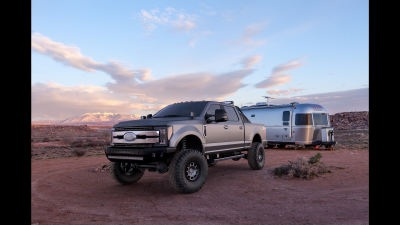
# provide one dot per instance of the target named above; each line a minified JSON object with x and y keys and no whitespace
{"x":230,"y":111}
{"x":211,"y":110}
{"x":286,"y":115}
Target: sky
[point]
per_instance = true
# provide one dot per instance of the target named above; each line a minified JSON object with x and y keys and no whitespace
{"x":136,"y":57}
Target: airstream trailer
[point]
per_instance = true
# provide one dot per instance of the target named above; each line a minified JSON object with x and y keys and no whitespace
{"x":293,"y":124}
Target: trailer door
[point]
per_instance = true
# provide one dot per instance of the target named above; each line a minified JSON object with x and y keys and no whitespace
{"x":286,"y":126}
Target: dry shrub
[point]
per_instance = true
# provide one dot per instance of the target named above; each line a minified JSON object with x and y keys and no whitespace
{"x":77,"y":144}
{"x":303,"y":168}
{"x":91,"y":143}
{"x":79,"y":152}
{"x":105,"y":134}
{"x":45,"y":139}
{"x":67,"y":137}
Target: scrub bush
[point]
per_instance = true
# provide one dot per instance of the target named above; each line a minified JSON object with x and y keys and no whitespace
{"x":303,"y":168}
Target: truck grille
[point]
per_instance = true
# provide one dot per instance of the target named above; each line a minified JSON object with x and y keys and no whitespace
{"x":133,"y":145}
{"x":133,"y":128}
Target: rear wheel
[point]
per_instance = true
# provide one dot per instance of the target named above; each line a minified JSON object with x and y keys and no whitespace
{"x":256,"y":156}
{"x":124,"y":172}
{"x":188,"y":171}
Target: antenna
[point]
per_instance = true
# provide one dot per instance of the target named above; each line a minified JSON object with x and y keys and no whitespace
{"x":267,"y":97}
{"x":146,"y":103}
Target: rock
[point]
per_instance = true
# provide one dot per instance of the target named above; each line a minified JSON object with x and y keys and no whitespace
{"x":350,"y":120}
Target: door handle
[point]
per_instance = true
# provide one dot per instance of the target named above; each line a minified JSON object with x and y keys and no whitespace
{"x":241,"y":127}
{"x":225,"y":127}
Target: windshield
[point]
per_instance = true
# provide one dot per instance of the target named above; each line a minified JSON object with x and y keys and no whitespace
{"x":320,"y":118}
{"x":181,"y":109}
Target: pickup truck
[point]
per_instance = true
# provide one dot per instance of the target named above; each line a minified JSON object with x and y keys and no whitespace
{"x":184,"y":139}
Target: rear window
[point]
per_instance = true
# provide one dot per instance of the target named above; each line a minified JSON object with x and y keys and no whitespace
{"x":244,"y":118}
{"x":303,"y":119}
{"x":320,"y":118}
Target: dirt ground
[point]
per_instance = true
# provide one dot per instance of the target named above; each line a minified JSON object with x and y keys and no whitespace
{"x":68,"y":190}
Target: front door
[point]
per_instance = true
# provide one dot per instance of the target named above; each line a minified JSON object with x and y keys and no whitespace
{"x":236,"y":128}
{"x":216,"y":134}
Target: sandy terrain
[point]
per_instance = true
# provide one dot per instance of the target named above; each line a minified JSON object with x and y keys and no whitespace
{"x":69,"y":191}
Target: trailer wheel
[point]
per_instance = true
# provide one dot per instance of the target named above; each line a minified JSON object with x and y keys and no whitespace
{"x":256,"y":156}
{"x":124,"y":173}
{"x":188,"y":171}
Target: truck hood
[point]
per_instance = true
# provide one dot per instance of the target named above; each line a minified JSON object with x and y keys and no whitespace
{"x":155,"y":121}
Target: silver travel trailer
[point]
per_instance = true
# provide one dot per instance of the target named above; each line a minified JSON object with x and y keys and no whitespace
{"x":293,"y":124}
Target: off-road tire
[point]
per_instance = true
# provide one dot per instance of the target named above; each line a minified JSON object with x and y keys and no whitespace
{"x":179,"y":173}
{"x":256,"y":156}
{"x":118,"y":175}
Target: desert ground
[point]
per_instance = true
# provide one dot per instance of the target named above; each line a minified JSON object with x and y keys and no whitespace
{"x":67,"y":189}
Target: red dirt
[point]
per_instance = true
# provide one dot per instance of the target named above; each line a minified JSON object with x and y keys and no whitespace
{"x":69,"y":191}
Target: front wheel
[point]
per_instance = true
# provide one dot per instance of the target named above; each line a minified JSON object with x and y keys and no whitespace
{"x":188,"y":171}
{"x":124,"y":172}
{"x":256,"y":156}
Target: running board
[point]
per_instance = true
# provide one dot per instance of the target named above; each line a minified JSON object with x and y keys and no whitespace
{"x":230,"y":157}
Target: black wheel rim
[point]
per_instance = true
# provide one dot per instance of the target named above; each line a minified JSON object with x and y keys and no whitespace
{"x":260,"y":155}
{"x":192,"y":171}
{"x":126,"y":168}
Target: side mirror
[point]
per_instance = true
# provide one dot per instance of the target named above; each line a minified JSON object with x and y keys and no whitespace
{"x":149,"y":116}
{"x":142,"y":117}
{"x":220,"y":115}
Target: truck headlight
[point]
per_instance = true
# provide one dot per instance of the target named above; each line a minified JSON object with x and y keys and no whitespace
{"x":112,"y":134}
{"x":165,"y":135}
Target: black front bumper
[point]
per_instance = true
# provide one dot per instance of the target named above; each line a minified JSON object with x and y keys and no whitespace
{"x":109,"y":150}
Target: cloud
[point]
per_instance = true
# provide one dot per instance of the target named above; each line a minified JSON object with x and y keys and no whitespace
{"x":73,"y":57}
{"x":284,"y":92}
{"x":184,"y":23}
{"x":334,"y":102}
{"x":247,"y":38}
{"x":55,"y":101}
{"x":170,"y":17}
{"x":278,"y":78}
{"x":229,"y":15}
{"x":249,"y":62}
{"x":197,"y":36}
{"x":124,"y":92}
{"x":186,"y":87}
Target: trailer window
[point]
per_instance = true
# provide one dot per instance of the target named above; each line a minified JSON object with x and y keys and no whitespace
{"x":320,"y":118}
{"x":303,"y":119}
{"x":286,"y":115}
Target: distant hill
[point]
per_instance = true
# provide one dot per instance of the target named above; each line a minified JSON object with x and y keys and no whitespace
{"x":92,"y":119}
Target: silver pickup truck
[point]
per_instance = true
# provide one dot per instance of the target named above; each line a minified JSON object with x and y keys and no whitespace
{"x":184,"y":139}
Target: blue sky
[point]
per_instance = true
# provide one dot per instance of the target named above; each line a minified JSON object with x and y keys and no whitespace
{"x":134,"y":57}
